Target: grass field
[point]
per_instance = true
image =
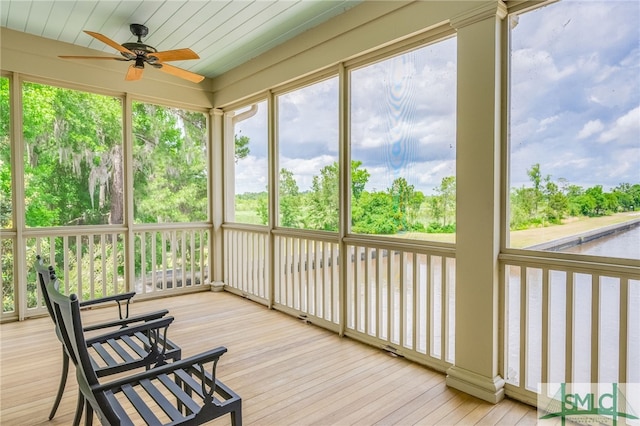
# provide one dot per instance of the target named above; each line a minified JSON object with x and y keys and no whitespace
{"x":573,"y":226}
{"x":533,"y":236}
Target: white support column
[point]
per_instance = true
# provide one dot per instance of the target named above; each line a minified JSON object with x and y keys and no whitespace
{"x":127,"y":183}
{"x":21,"y":263}
{"x":216,"y":195}
{"x":478,"y":202}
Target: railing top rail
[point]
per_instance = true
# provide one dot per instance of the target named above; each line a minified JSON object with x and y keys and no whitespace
{"x":169,"y":226}
{"x":109,"y":229}
{"x":258,"y":229}
{"x":61,"y":231}
{"x":568,"y":262}
{"x":418,"y":246}
{"x":331,"y":237}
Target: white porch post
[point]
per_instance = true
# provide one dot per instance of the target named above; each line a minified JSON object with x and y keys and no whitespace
{"x":478,"y":202}
{"x":216,"y":191}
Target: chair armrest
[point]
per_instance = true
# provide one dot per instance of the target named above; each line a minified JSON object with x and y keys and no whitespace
{"x":127,"y":331}
{"x":118,"y":298}
{"x":205,"y":357}
{"x":125,"y":322}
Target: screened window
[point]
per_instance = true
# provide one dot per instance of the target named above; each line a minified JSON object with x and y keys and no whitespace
{"x":575,"y":129}
{"x":6,"y":207}
{"x":73,"y":172}
{"x":170,"y":164}
{"x":250,"y":165}
{"x":308,"y":157}
{"x":403,"y":145}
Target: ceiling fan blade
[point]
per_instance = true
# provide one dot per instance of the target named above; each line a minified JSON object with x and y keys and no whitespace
{"x":134,"y":73}
{"x":175,"y":55}
{"x":179,"y":72}
{"x":110,"y":42}
{"x":92,"y":57}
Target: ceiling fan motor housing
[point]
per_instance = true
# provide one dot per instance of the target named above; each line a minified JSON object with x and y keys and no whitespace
{"x":138,"y":47}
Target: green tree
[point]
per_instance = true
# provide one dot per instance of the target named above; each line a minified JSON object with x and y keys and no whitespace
{"x":6,"y":207}
{"x":556,"y":202}
{"x":289,"y":200}
{"x":402,"y":194}
{"x":536,"y":178}
{"x":359,"y":179}
{"x":443,"y":205}
{"x":73,"y":146}
{"x":170,"y":164}
{"x":241,"y":147}
{"x":373,"y":214}
{"x":324,"y":211}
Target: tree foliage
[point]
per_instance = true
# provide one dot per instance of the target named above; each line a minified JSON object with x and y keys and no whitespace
{"x":548,"y":202}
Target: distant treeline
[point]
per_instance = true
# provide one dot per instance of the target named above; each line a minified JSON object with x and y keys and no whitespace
{"x":401,"y":208}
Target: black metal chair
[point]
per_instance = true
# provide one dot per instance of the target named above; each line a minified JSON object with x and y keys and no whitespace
{"x":131,"y":348}
{"x":184,"y":392}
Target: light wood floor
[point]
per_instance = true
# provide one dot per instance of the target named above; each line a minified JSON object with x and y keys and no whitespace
{"x":287,"y":372}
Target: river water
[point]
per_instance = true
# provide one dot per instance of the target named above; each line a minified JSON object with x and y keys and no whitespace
{"x":621,"y":244}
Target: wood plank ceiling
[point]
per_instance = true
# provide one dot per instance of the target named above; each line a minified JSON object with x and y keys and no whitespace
{"x":224,"y":34}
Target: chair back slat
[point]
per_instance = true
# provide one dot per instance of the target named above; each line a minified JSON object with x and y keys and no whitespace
{"x":69,"y":323}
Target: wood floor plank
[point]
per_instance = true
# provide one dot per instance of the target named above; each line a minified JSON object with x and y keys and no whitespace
{"x":288,"y":372}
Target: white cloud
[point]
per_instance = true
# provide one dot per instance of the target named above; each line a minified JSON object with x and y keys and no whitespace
{"x":590,"y":128}
{"x":251,"y":175}
{"x":304,"y":169}
{"x":626,"y":130}
{"x":544,"y":123}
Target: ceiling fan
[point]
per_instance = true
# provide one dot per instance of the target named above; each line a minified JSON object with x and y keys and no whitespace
{"x":142,"y":53}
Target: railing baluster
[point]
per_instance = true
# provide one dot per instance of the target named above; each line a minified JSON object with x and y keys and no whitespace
{"x":522,"y":377}
{"x":91,"y":272}
{"x":595,"y":327}
{"x":544,"y":355}
{"x":414,"y":302}
{"x":154,"y":273}
{"x":623,"y":337}
{"x":569,"y":328}
{"x":444,"y":308}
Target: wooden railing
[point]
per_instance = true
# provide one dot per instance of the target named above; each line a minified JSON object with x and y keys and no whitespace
{"x":402,"y":297}
{"x":8,"y":287}
{"x":92,"y":262}
{"x":568,"y":322}
{"x":561,"y":320}
{"x":397,"y":296}
{"x":171,"y":258}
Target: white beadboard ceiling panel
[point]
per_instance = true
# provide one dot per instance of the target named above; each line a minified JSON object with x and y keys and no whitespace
{"x":224,"y":34}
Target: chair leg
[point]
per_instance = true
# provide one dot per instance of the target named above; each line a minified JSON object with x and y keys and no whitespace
{"x":63,"y":383}
{"x":236,"y":417}
{"x":79,"y":406}
{"x":88,"y":414}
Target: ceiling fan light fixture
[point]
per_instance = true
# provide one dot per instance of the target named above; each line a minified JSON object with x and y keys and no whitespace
{"x":139,"y":62}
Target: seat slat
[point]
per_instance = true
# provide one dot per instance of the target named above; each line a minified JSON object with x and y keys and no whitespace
{"x":119,"y":410}
{"x":141,"y":407}
{"x":179,"y":393}
{"x":167,"y":406}
{"x":135,"y":345}
{"x":189,"y":380}
{"x":102,"y":352}
{"x":117,"y":347}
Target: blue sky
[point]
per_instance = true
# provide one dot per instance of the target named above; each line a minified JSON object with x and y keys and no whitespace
{"x":575,"y":100}
{"x":575,"y":107}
